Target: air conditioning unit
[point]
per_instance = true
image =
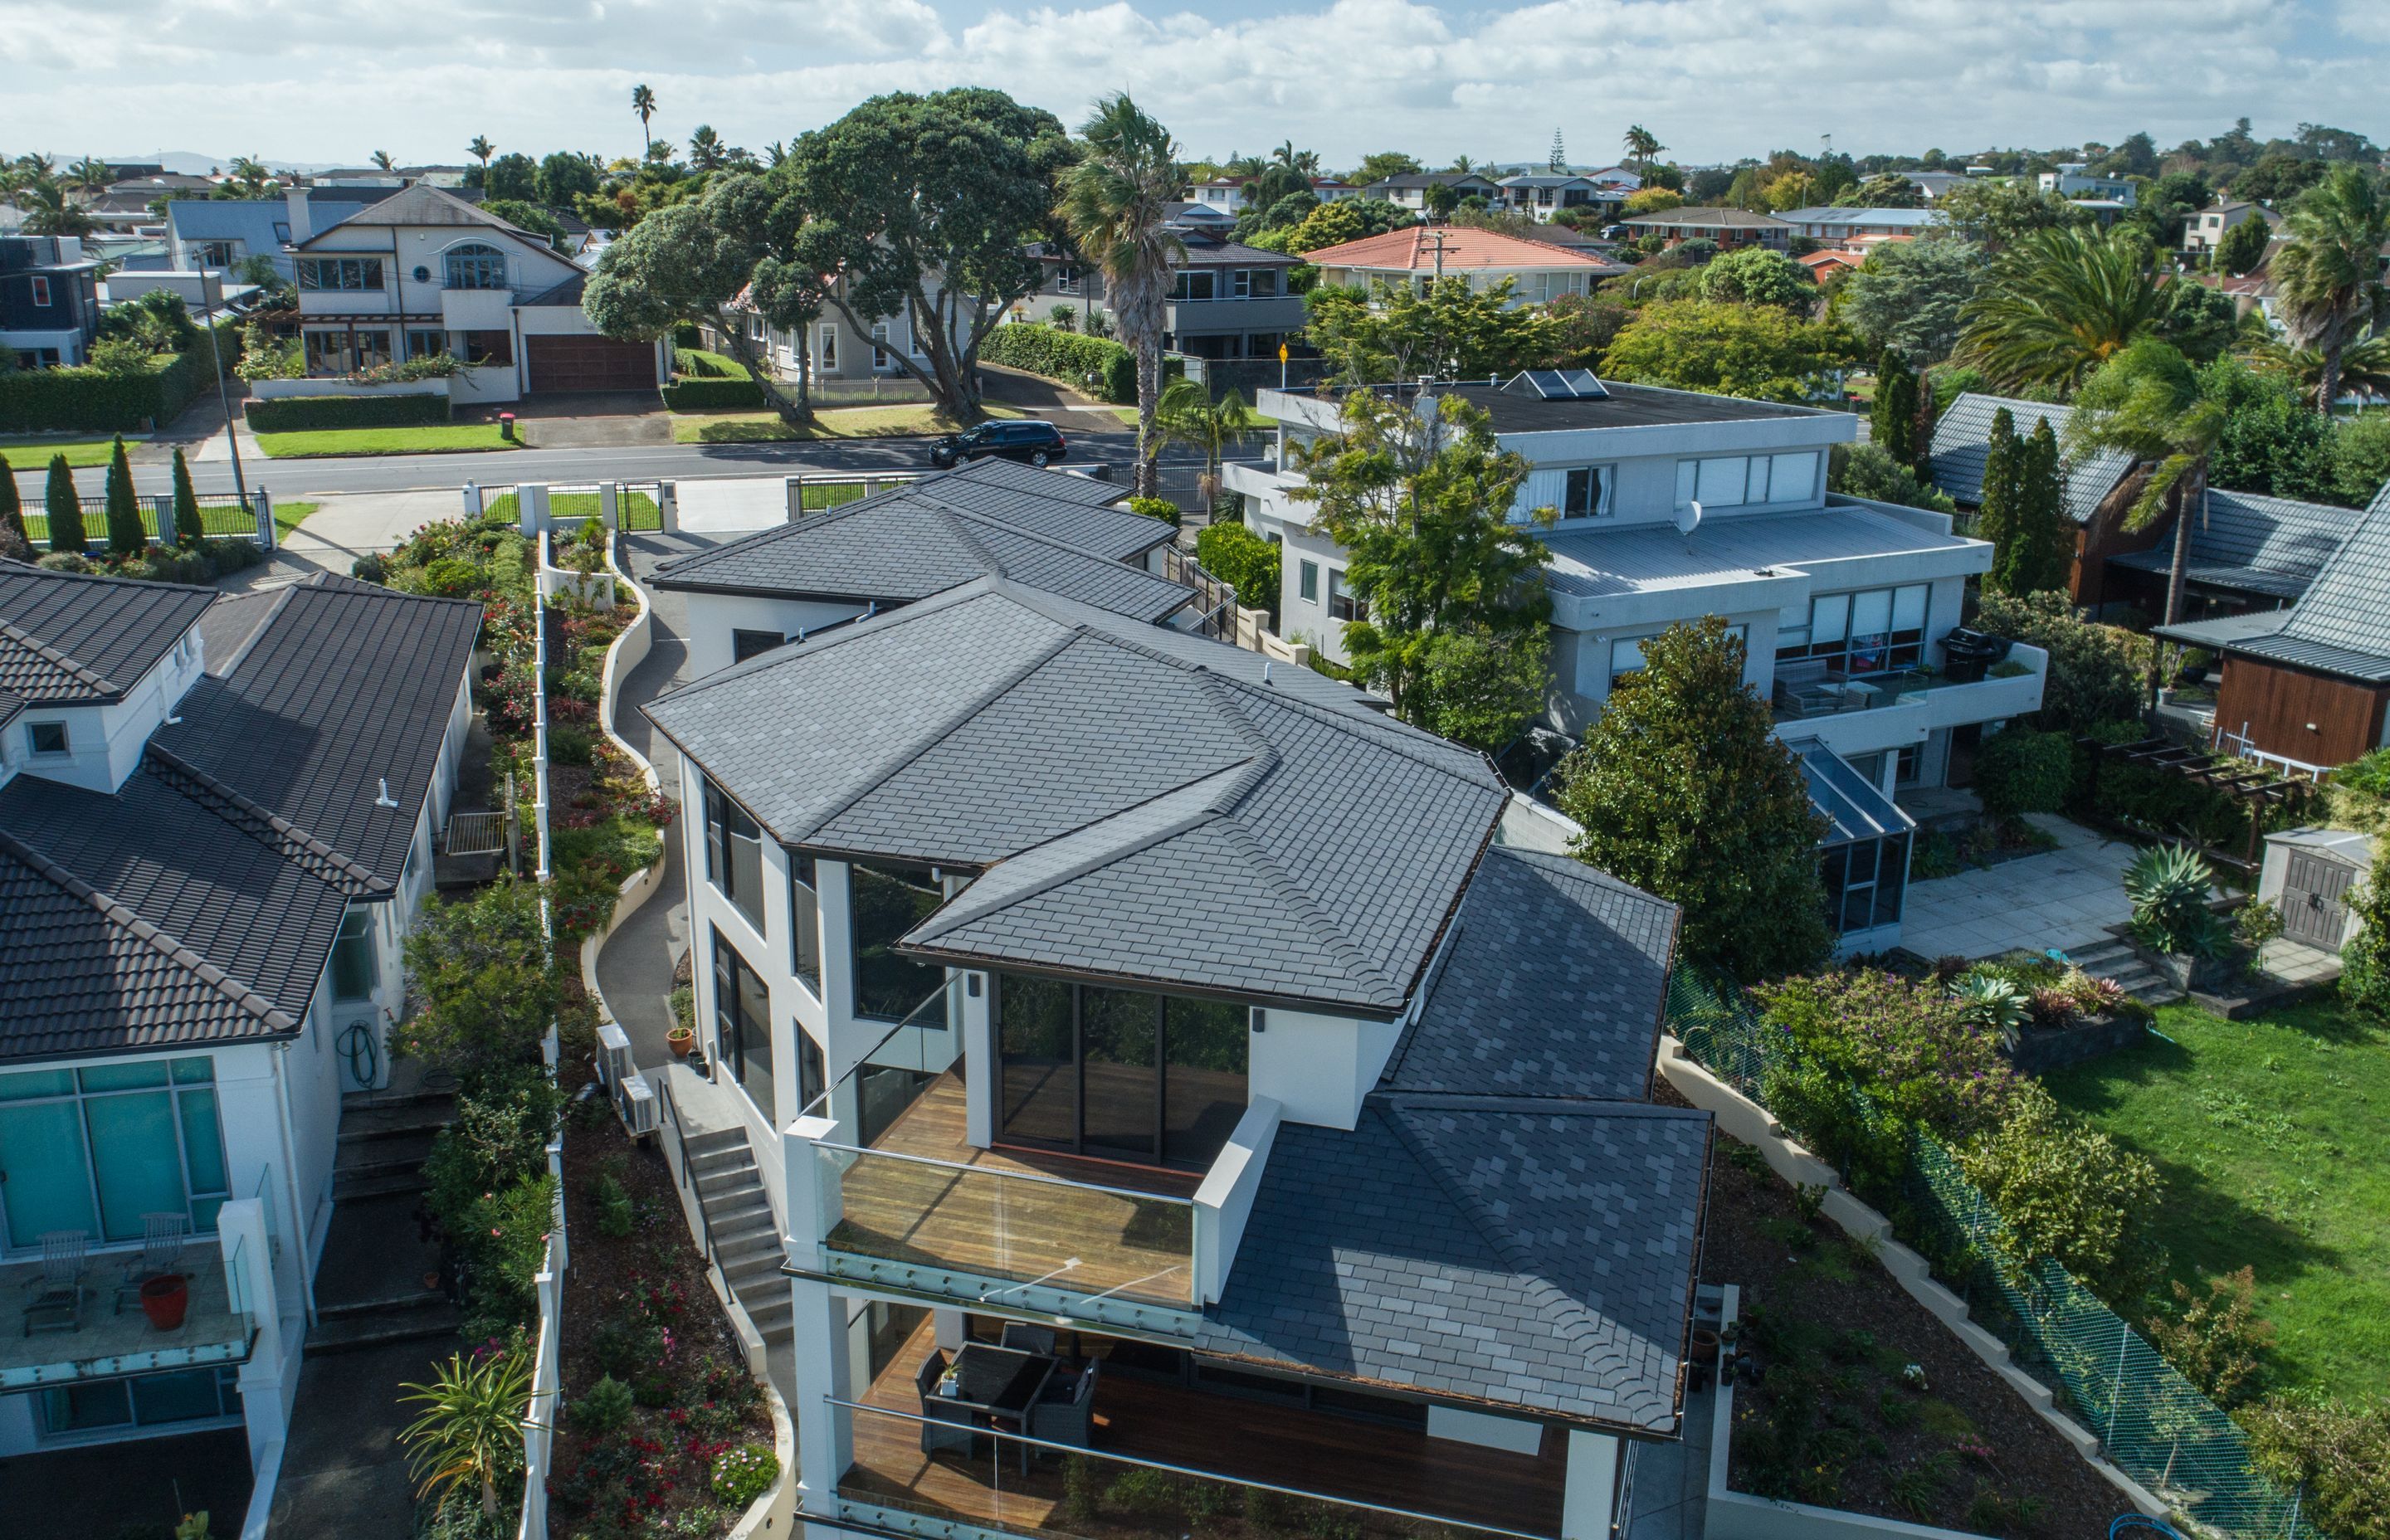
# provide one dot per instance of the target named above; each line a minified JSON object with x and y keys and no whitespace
{"x":636,"y":1105}
{"x":614,"y":1061}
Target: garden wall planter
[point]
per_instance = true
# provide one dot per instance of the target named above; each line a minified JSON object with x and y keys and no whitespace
{"x":2040,"y":1051}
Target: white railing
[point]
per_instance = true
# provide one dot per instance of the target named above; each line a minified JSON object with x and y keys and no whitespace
{"x":539,"y":1413}
{"x":2240,"y":746}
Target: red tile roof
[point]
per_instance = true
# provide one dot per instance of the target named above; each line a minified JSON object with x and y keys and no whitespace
{"x":1465,"y":250}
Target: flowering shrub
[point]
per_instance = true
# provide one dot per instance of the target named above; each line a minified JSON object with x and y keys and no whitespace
{"x":1908,"y":1047}
{"x":744,"y":1474}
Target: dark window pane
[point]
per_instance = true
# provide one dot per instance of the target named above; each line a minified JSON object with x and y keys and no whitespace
{"x":1118,"y":1030}
{"x":742,"y":1023}
{"x":812,"y":1077}
{"x":804,"y":920}
{"x":887,"y":904}
{"x":1857,"y":905}
{"x":1205,"y":1042}
{"x":1041,"y":1076}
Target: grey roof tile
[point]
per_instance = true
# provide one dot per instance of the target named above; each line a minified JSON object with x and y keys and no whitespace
{"x":1962,"y":439}
{"x":68,"y":637}
{"x":2271,"y":546}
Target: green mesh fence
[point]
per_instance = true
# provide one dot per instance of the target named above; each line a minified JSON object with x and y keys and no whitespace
{"x":2154,"y":1424}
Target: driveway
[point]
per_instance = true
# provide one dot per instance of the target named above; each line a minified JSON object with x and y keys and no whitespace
{"x":2066,"y":898}
{"x":348,"y":525}
{"x":733,"y":505}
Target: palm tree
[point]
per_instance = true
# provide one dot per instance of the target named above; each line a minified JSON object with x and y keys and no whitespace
{"x":1303,"y":162}
{"x":705,"y":148}
{"x":50,"y":210}
{"x":774,"y":153}
{"x":89,"y":175}
{"x":2328,"y":274}
{"x":2364,"y":366}
{"x":249,"y":176}
{"x":1187,"y":415}
{"x":2145,"y":400}
{"x":1461,"y":165}
{"x":2057,"y":304}
{"x":1642,"y":148}
{"x":381,"y":160}
{"x":642,"y":102}
{"x":482,"y":149}
{"x":471,"y":1428}
{"x":1115,"y":205}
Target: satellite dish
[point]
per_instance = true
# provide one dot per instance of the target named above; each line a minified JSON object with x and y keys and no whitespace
{"x":1689,"y":518}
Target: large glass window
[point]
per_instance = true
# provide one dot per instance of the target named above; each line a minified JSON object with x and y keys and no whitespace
{"x":1342,"y":603}
{"x":1865,"y":881}
{"x":341,"y":273}
{"x":1121,"y":1073}
{"x":1741,"y":480}
{"x":1194,"y":284}
{"x":1862,"y":632}
{"x":804,"y":921}
{"x":742,"y":1023}
{"x":1588,"y":492}
{"x":733,"y":854}
{"x":887,"y":901}
{"x":97,"y":1148}
{"x":144,"y":1401}
{"x":476,"y":266}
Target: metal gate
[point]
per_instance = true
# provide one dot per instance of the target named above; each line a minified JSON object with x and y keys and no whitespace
{"x":2315,"y":900}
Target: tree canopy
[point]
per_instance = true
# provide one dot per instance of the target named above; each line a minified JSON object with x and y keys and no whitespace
{"x":1907,"y":295}
{"x":513,"y":175}
{"x":1394,"y":332}
{"x":1760,"y":351}
{"x":1756,"y":275}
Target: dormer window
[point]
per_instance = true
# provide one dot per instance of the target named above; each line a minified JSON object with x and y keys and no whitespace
{"x":477,"y":267}
{"x":48,"y":738}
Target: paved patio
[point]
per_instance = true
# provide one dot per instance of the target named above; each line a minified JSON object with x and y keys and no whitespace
{"x":2066,"y":898}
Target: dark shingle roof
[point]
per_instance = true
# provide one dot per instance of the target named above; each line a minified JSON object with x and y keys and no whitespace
{"x":345,"y":688}
{"x":924,"y":537}
{"x":1551,"y":987}
{"x":423,"y":204}
{"x":1122,"y":780}
{"x":69,"y":638}
{"x":1534,"y":1256}
{"x":1962,"y":439}
{"x":2338,"y":625}
{"x":2272,"y":546}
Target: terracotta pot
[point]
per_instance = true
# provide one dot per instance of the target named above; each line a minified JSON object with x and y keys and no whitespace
{"x":164,"y":1299}
{"x":680,"y":1040}
{"x":1706,"y":1345}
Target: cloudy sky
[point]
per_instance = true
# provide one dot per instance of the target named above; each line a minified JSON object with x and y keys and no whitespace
{"x":334,"y":80}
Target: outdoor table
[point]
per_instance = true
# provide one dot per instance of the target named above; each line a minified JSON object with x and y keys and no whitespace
{"x":998,"y":1384}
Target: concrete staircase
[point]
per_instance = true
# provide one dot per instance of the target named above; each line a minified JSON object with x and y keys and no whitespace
{"x":746,"y":1236}
{"x":372,"y":1286}
{"x":2114,"y":957}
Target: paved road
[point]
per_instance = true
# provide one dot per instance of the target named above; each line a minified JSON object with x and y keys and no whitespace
{"x":290,"y":479}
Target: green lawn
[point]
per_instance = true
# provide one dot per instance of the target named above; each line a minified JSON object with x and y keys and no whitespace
{"x":2269,"y":1134}
{"x":431,"y":439}
{"x":635,"y":510}
{"x":846,"y":422}
{"x":290,"y":516}
{"x":1253,"y":421}
{"x":35,"y":453}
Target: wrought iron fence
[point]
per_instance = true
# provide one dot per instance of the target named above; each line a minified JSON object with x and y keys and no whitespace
{"x":223,"y":515}
{"x":639,"y":505}
{"x":2152,"y":1423}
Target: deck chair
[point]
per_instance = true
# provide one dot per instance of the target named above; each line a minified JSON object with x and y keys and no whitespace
{"x":55,"y":1302}
{"x":939,"y":1430}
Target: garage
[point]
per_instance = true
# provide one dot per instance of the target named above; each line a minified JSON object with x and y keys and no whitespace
{"x":559,"y":364}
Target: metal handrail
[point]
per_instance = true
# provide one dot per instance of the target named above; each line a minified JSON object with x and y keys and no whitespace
{"x":887,"y":1037}
{"x":1070,"y":1449}
{"x":680,"y":1138}
{"x":1008,"y":1176}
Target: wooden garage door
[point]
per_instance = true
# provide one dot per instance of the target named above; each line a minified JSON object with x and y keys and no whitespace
{"x":589,"y":364}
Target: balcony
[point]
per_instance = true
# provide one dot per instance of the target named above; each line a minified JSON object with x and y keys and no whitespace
{"x":1860,"y":713}
{"x":477,"y":309}
{"x":1262,"y":312}
{"x":108,"y":1343}
{"x":923,"y":1211}
{"x":1167,"y":1458}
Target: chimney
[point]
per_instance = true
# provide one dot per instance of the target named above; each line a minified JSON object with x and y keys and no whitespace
{"x":295,"y":200}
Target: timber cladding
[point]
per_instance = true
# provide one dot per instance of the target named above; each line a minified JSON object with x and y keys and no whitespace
{"x":2279,"y":705}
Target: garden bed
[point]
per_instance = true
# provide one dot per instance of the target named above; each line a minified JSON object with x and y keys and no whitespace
{"x":1832,"y":1418}
{"x":639,"y":1459}
{"x":1941,"y":853}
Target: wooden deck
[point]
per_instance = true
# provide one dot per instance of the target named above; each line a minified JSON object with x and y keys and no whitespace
{"x":1238,"y":1438}
{"x":978,"y":1211}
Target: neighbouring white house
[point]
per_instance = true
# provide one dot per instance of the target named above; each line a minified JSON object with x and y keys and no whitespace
{"x":919,"y":538}
{"x":835,"y":348}
{"x":2074,"y":179}
{"x":1131,"y":1032}
{"x":216,"y":819}
{"x":1411,"y":191}
{"x":425,"y":272}
{"x":1672,"y":506}
{"x":1850,"y":226}
{"x":1542,"y":195}
{"x":1422,"y":253}
{"x":2204,"y":231}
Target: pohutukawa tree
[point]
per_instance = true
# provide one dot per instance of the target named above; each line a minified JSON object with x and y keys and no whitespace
{"x":1115,"y":208}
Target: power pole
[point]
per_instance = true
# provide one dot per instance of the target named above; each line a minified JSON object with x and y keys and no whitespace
{"x":211,"y":286}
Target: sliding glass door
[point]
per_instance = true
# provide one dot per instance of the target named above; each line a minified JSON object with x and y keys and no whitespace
{"x":1126,"y":1075}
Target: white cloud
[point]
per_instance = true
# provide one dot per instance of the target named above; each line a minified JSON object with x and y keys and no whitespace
{"x":330,"y":80}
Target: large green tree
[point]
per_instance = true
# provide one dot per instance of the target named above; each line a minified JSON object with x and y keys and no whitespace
{"x":1754,"y":351}
{"x":2003,"y":485}
{"x":1892,"y":415}
{"x":1421,"y":499}
{"x":1756,"y":275}
{"x":925,"y":207}
{"x":2146,"y":400}
{"x":565,"y":177}
{"x":1115,"y":208}
{"x":2038,"y":551}
{"x":2328,"y":275}
{"x":515,"y":177}
{"x":2057,"y":304}
{"x":1683,"y":789}
{"x":2244,"y":246}
{"x":189,"y":529}
{"x":736,"y":245}
{"x":1454,"y":330}
{"x":1909,"y":293}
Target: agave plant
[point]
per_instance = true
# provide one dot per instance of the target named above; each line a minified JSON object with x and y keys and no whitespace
{"x":1987,"y":1001}
{"x":2168,"y":885}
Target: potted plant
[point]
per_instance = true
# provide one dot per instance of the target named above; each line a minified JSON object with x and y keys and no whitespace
{"x":164,"y":1299}
{"x":680,"y":1040}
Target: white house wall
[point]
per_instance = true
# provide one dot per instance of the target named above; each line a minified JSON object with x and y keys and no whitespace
{"x":712,"y":618}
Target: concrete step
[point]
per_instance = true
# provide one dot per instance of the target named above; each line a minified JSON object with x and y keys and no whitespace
{"x":420,"y":1299}
{"x":746,"y":1219}
{"x":721,"y":1162}
{"x":414,"y":1115}
{"x":715,"y":1188}
{"x":347,"y":1186}
{"x":382,"y":1156}
{"x":719,"y":1139}
{"x":374,"y":1329}
{"x":752,"y":1242}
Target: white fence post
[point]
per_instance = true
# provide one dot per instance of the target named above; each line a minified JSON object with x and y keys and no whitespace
{"x":667,"y":507}
{"x":266,"y":532}
{"x":472,"y":502}
{"x":608,"y":507}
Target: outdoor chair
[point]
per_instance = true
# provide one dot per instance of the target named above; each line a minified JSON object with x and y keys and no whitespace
{"x":1025,"y":1338}
{"x":1065,"y":1414}
{"x":161,"y":1250}
{"x":56,"y":1291}
{"x":939,"y":1430}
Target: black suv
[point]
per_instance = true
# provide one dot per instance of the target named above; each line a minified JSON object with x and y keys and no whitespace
{"x":1034,"y":442}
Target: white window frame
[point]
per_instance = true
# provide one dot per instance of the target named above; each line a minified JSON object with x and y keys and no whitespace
{"x":825,"y":352}
{"x":42,"y":290}
{"x":1779,"y":477}
{"x":1604,"y":506}
{"x":883,"y":356}
{"x":66,"y":740}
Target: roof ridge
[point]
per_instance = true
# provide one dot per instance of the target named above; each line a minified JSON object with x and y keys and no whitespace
{"x":695,"y":561}
{"x":1301,"y":906}
{"x":967,"y":536}
{"x":122,"y":917}
{"x":179,"y":769}
{"x":34,"y":570}
{"x":44,"y":650}
{"x":257,"y":632}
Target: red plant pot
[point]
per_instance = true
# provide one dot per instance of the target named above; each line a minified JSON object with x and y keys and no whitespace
{"x":164,"y":1299}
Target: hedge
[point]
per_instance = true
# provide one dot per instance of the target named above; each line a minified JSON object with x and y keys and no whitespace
{"x":83,"y":400}
{"x":703,"y":364}
{"x":701,"y":394}
{"x":310,"y":414}
{"x":1097,"y":366}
